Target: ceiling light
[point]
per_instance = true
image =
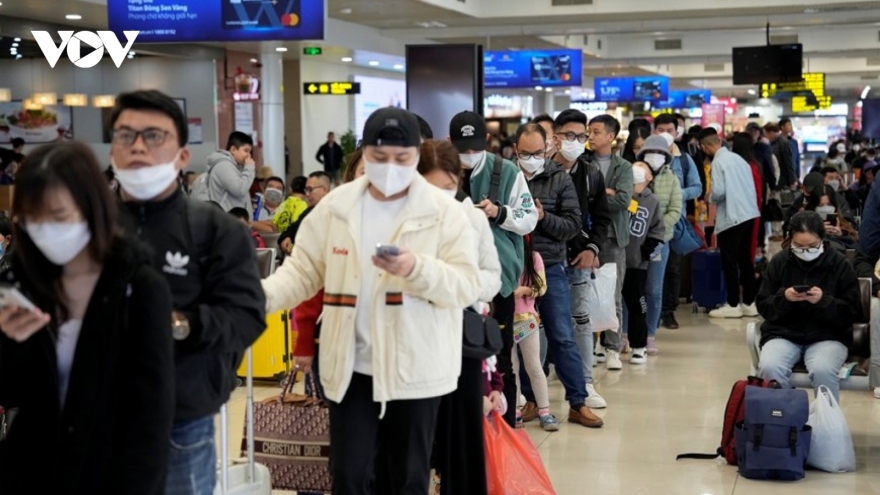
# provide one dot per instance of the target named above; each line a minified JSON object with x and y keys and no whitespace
{"x":347,"y":59}
{"x":539,"y":88}
{"x":103,"y":101}
{"x":16,"y":39}
{"x":5,"y":94}
{"x":549,"y":90}
{"x":373,"y":63}
{"x":76,"y":100}
{"x":30,"y":104}
{"x":15,"y":44}
{"x":811,"y":11}
{"x":18,"y":56}
{"x":568,"y":91}
{"x":253,"y":60}
{"x":345,"y":11}
{"x":751,"y":92}
{"x":132,"y":53}
{"x":73,"y":17}
{"x":399,"y":66}
{"x":47,"y":98}
{"x":865,"y":92}
{"x":281,"y":49}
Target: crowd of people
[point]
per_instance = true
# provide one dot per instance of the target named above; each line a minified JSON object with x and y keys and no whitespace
{"x":146,"y":293}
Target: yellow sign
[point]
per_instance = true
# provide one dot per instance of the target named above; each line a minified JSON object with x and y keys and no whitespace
{"x":331,"y":88}
{"x":812,"y":82}
{"x":801,"y":104}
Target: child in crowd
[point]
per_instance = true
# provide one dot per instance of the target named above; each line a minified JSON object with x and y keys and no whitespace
{"x":645,"y":241}
{"x":242,"y":215}
{"x":493,"y":386}
{"x":525,"y":334}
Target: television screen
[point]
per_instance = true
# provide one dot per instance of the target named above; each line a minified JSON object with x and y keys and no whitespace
{"x":217,"y":20}
{"x":768,"y":64}
{"x":530,"y":68}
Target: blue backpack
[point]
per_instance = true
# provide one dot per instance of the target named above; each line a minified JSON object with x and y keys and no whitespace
{"x":773,"y":440}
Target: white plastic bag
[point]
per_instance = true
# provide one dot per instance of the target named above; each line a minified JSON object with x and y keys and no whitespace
{"x":831,"y":447}
{"x":601,"y":290}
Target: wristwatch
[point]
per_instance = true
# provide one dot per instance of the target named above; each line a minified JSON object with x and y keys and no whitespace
{"x":179,"y":325}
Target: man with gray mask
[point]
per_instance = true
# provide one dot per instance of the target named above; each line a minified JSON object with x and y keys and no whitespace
{"x":272,"y":199}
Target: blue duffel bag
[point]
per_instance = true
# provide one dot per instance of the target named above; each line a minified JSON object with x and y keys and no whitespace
{"x":773,"y":440}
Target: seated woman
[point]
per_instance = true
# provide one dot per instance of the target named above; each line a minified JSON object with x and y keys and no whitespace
{"x":809,"y":300}
{"x":838,"y":230}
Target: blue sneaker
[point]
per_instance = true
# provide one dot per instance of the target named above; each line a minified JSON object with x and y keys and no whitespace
{"x":549,"y":422}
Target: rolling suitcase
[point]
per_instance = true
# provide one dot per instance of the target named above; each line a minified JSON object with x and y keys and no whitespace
{"x":240,"y":478}
{"x":272,"y":350}
{"x":707,"y":280}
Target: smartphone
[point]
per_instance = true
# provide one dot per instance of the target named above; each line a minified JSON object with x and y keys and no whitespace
{"x":387,"y":250}
{"x":10,"y":296}
{"x":801,"y":288}
{"x":832,"y":219}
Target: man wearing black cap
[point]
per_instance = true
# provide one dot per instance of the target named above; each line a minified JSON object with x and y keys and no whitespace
{"x":392,"y":257}
{"x":499,"y":188}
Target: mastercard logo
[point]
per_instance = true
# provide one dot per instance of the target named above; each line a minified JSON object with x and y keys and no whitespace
{"x":290,"y":20}
{"x":566,"y":77}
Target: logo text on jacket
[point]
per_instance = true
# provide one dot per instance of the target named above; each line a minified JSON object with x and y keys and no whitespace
{"x":175,"y":264}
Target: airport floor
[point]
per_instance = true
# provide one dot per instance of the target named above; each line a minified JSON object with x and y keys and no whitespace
{"x":674,"y":404}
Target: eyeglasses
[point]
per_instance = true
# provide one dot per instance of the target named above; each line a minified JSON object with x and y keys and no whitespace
{"x":570,"y":136}
{"x":806,"y":250}
{"x":526,"y":156}
{"x":310,"y":190}
{"x":153,"y":138}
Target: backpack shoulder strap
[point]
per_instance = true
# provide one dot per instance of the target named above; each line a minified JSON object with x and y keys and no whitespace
{"x":496,"y":179}
{"x":197,"y":223}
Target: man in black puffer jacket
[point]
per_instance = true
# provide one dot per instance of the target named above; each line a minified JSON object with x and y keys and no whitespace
{"x":559,"y":221}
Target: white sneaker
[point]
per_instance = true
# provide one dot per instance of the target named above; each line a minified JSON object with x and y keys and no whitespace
{"x":750,"y":311}
{"x":599,"y":355}
{"x":639,"y":356}
{"x":876,"y":392}
{"x":613,"y":362}
{"x":726,"y":311}
{"x":594,"y":400}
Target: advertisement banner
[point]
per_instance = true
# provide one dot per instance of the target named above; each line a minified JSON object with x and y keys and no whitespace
{"x":626,"y":89}
{"x":530,"y":68}
{"x":52,"y":123}
{"x":713,"y":113}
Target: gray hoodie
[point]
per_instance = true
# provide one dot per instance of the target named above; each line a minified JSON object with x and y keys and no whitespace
{"x":646,"y":230}
{"x":229,"y":185}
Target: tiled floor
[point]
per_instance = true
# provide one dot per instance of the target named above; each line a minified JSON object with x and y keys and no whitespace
{"x":674,"y":404}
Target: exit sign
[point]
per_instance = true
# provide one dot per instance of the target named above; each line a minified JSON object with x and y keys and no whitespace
{"x":312,"y":50}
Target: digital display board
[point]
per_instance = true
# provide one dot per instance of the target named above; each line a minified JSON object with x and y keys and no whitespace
{"x":331,"y":88}
{"x":217,"y":20}
{"x":801,"y":104}
{"x":530,"y":68}
{"x":812,"y":82}
{"x":649,"y":88}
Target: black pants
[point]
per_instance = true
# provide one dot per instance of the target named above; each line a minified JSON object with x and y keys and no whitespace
{"x":391,"y":455}
{"x":634,"y":297}
{"x":671,"y":283}
{"x":737,"y":263}
{"x":504,"y":308}
{"x":459,"y":454}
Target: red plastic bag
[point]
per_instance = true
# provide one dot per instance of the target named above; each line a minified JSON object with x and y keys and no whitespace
{"x":513,"y":465}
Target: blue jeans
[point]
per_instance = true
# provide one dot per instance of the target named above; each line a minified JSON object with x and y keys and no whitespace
{"x":580,"y":313}
{"x":823,"y":360}
{"x":555,"y":310}
{"x":654,"y":290}
{"x":192,"y":467}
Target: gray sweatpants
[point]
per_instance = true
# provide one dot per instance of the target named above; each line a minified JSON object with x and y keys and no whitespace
{"x":612,"y":253}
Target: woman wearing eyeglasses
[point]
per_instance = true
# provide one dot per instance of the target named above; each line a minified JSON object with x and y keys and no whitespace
{"x":809,"y":301}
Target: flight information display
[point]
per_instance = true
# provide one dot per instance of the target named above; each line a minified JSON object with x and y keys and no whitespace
{"x":218,"y":20}
{"x":530,"y":68}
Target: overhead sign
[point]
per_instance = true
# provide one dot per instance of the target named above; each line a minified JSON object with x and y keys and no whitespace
{"x":624,"y":89}
{"x":312,"y":50}
{"x":685,"y":98}
{"x":801,"y":104}
{"x":530,"y":68}
{"x":217,"y":20}
{"x":331,"y":88}
{"x":812,"y":82}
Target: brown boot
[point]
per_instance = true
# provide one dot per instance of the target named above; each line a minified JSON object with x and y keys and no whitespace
{"x":529,"y":412}
{"x":585,"y":417}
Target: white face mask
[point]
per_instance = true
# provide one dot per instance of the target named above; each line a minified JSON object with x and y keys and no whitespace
{"x":841,"y":148}
{"x":668,"y":137}
{"x":274,"y":196}
{"x":655,"y":160}
{"x":857,"y":147}
{"x":835,"y":184}
{"x":471,"y":160}
{"x":680,"y":131}
{"x":639,"y":175}
{"x":59,"y":242}
{"x":825,"y":210}
{"x":809,"y":256}
{"x":571,"y":150}
{"x":146,"y":183}
{"x":389,"y":178}
{"x":532,"y":165}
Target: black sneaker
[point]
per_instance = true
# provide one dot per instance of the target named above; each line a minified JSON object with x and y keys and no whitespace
{"x":669,"y":321}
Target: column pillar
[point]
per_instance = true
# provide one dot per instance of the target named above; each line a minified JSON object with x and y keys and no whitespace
{"x":272,"y":102}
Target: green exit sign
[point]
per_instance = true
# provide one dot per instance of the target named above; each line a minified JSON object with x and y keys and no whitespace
{"x":312,"y":50}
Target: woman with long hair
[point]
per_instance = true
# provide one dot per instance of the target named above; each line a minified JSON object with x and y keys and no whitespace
{"x":743,"y":146}
{"x":823,"y":200}
{"x":89,"y":369}
{"x":637,"y":136}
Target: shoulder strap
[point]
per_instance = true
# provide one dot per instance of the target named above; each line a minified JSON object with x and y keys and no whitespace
{"x":197,"y":226}
{"x":496,"y":179}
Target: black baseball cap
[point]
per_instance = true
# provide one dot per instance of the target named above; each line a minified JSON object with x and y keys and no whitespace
{"x":467,"y":131}
{"x":392,"y":126}
{"x":754,"y":126}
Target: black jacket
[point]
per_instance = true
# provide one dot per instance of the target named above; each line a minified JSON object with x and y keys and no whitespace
{"x":112,"y":435}
{"x":801,"y":322}
{"x":291,"y":231}
{"x":562,"y":213}
{"x":590,"y":187}
{"x":214,"y":281}
{"x":330,"y":156}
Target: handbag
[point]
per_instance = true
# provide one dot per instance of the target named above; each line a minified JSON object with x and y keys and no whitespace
{"x":685,"y":240}
{"x":292,"y":438}
{"x":481,"y":336}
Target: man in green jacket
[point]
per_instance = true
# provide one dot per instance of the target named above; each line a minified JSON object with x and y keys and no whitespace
{"x":603,"y":130}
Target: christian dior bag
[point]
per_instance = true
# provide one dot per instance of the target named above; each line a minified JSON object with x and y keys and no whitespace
{"x":292,"y":438}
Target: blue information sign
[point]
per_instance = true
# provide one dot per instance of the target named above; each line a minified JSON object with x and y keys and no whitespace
{"x":685,"y":98}
{"x":624,"y":89}
{"x":217,"y":20}
{"x":529,"y":68}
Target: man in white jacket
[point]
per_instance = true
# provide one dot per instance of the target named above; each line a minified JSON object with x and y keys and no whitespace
{"x":391,"y":336}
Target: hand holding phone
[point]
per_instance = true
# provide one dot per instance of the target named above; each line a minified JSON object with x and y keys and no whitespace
{"x":831,"y":219}
{"x":801,"y":289}
{"x":387,"y":250}
{"x":19,"y":318}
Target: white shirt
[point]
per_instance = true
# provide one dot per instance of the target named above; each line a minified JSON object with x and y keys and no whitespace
{"x":65,"y":348}
{"x":379,"y":218}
